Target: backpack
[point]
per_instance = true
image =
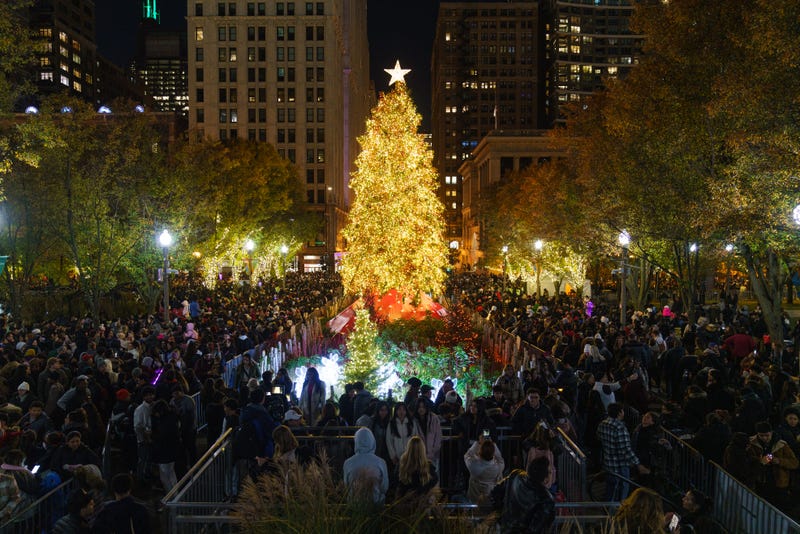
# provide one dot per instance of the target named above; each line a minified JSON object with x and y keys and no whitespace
{"x":247,"y":440}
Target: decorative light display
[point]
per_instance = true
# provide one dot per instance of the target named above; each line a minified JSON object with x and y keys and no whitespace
{"x":395,"y":232}
{"x":363,"y":350}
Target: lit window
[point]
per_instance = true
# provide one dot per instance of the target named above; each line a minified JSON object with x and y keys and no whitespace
{"x":62,"y":36}
{"x":46,"y":76}
{"x":198,"y":33}
{"x":447,"y":36}
{"x":45,"y":32}
{"x":76,"y":85}
{"x":455,"y":205}
{"x":64,"y":80}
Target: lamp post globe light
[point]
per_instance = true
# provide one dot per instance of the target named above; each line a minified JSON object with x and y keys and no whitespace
{"x":165,"y":241}
{"x":284,"y":252}
{"x":537,"y":246}
{"x":624,"y":239}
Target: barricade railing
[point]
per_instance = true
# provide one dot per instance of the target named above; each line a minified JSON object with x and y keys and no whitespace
{"x":571,"y":470}
{"x":199,"y":411}
{"x":199,"y":498}
{"x":736,"y":507}
{"x":41,"y":514}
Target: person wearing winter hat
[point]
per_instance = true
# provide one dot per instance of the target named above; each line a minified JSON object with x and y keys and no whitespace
{"x":23,"y":397}
{"x":414,"y":384}
{"x":774,"y":460}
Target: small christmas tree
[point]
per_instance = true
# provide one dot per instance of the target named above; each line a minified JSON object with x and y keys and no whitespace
{"x":363,"y":351}
{"x":458,"y":330}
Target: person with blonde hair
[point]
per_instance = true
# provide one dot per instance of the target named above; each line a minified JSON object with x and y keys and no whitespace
{"x":417,"y":474}
{"x":641,"y":513}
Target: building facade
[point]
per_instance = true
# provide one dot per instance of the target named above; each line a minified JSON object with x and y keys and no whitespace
{"x":485,"y":77}
{"x":497,"y":155}
{"x":161,"y":65}
{"x":589,"y":42}
{"x":294,"y":74}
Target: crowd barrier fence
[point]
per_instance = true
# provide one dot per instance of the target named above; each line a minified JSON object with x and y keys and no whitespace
{"x":571,"y":469}
{"x":41,"y":515}
{"x":736,"y":507}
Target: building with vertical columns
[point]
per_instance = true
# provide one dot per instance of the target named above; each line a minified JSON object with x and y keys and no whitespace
{"x":485,"y":77}
{"x":497,"y":155}
{"x":293,"y":74}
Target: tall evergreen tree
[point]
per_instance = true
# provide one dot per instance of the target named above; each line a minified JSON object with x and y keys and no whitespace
{"x":395,"y":234}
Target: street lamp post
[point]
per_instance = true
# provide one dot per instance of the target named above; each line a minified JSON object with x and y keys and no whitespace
{"x":248,"y":247}
{"x":624,"y":240}
{"x":165,"y":240}
{"x":538,"y":247}
{"x":284,"y":252}
{"x":505,"y":258}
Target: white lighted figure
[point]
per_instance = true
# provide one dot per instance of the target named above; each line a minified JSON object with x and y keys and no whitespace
{"x":398,"y":74}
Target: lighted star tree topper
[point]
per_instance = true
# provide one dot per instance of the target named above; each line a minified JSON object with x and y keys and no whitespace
{"x":395,"y":232}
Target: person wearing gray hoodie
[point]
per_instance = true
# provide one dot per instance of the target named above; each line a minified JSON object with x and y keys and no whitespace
{"x":365,"y":469}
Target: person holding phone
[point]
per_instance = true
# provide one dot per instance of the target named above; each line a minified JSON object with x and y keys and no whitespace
{"x":485,"y":465}
{"x":774,"y":461}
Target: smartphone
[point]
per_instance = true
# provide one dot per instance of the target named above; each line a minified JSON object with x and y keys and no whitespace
{"x":35,"y":469}
{"x":485,"y":433}
{"x":673,"y":523}
{"x":769,"y":458}
{"x":277,"y":390}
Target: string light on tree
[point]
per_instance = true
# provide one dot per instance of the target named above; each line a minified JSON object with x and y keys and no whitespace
{"x":363,"y":350}
{"x":395,"y":232}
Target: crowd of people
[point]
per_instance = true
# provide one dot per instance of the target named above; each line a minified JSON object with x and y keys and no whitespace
{"x":71,"y":387}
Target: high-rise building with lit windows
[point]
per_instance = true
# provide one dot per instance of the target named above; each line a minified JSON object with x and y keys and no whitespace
{"x":161,"y":62}
{"x":590,"y":41}
{"x":485,"y":67}
{"x":67,"y":52}
{"x":294,"y":74}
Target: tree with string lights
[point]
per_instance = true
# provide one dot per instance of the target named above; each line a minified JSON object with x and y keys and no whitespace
{"x":363,"y":352}
{"x":395,"y":233}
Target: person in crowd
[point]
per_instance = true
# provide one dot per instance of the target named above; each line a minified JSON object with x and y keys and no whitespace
{"x":774,"y":461}
{"x":540,"y":443}
{"x":262,"y":424}
{"x":530,"y":413}
{"x":23,"y":398}
{"x":143,"y":426}
{"x":124,"y":514}
{"x":649,"y":443}
{"x":246,"y":370}
{"x":737,"y":461}
{"x":36,"y":420}
{"x":618,"y":455}
{"x":328,"y":418}
{"x":365,"y":474}
{"x":73,"y":454}
{"x":498,"y":407}
{"x":380,"y":429}
{"x":401,"y":428}
{"x":485,"y":465}
{"x":184,"y":408}
{"x":416,"y":475}
{"x":789,"y":429}
{"x":441,"y":395}
{"x":695,"y":513}
{"x":312,"y":395}
{"x":80,"y":509}
{"x":712,"y":438}
{"x":166,"y":434}
{"x":346,"y":404}
{"x":641,"y":513}
{"x":413,"y":384}
{"x":527,"y":505}
{"x":427,"y":427}
{"x":511,"y":385}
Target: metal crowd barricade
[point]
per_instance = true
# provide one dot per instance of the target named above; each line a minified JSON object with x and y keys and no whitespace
{"x":199,"y":411}
{"x":735,"y":506}
{"x":571,"y":471}
{"x":739,"y":510}
{"x":40,"y":515}
{"x":200,"y":500}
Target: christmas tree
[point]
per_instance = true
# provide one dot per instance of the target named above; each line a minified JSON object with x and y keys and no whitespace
{"x":458,"y":330}
{"x":363,"y":351}
{"x":395,"y":233}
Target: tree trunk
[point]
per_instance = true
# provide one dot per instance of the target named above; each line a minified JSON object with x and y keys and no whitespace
{"x":766,"y":277}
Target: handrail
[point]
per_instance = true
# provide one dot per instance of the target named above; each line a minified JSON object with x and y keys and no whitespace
{"x":197,"y":466}
{"x":35,"y":504}
{"x":634,"y":484}
{"x":571,"y":443}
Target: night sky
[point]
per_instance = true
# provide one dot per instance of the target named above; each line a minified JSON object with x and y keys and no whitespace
{"x":396,"y":30}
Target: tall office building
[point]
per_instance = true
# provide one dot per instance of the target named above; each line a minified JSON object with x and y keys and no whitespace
{"x":65,"y":31}
{"x":67,"y":55}
{"x":485,"y":67}
{"x":294,"y":74}
{"x":590,"y":41}
{"x":161,"y":62}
